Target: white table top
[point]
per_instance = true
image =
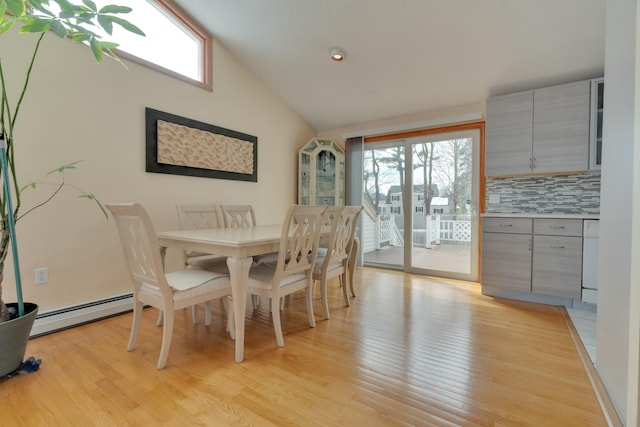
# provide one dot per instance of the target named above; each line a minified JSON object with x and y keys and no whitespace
{"x":234,"y":242}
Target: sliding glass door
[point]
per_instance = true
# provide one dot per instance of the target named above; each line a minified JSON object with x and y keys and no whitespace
{"x":424,"y":191}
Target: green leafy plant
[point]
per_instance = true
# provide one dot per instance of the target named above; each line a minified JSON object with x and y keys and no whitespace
{"x":79,"y":23}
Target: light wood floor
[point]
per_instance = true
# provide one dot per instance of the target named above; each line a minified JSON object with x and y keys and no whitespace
{"x":409,"y":351}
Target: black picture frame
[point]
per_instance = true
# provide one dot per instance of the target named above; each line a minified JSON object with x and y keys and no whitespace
{"x":152,"y":165}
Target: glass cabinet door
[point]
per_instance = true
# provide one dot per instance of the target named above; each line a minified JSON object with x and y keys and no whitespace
{"x":597,"y":108}
{"x":304,"y":179}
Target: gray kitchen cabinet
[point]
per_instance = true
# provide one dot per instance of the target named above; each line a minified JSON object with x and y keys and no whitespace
{"x":557,"y":257}
{"x":541,"y":256}
{"x":506,"y":254}
{"x":509,"y":134}
{"x":561,"y":128}
{"x":557,"y":266}
{"x":539,"y":131}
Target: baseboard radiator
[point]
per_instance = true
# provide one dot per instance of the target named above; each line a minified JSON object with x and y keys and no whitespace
{"x":77,"y":315}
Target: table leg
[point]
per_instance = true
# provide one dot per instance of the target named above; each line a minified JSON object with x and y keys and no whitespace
{"x":239,"y":275}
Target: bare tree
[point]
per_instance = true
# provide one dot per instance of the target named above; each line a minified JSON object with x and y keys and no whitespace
{"x":395,"y":160}
{"x":381,"y":166}
{"x":424,"y":153}
{"x":454,"y":172}
{"x":373,"y":173}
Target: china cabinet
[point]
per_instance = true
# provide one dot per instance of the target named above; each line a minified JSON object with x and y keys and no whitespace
{"x":321,"y":173}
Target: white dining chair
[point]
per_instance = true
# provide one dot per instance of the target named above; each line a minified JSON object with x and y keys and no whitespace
{"x":238,"y":215}
{"x":152,"y":286}
{"x":196,"y":217}
{"x":333,"y":260}
{"x":294,"y":267}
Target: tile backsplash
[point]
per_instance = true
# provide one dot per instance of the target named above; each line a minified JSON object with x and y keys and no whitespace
{"x":557,"y":194}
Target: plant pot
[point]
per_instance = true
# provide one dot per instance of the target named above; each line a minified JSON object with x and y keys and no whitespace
{"x":14,"y":335}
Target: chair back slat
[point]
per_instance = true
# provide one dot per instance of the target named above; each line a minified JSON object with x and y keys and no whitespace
{"x":140,"y":245}
{"x":347,"y":226}
{"x":343,"y":228}
{"x":299,"y":240}
{"x":238,"y":215}
{"x":196,"y":217}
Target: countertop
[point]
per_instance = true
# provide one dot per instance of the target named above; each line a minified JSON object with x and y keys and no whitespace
{"x":541,"y":215}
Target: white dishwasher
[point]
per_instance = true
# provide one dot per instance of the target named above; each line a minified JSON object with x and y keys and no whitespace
{"x":590,"y":261}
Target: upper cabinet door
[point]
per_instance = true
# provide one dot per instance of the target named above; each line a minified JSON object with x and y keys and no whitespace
{"x":509,"y":134}
{"x":561,"y":128}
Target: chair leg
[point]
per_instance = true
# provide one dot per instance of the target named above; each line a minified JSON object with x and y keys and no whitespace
{"x":207,"y":313}
{"x":167,"y":333}
{"x":231,"y":324}
{"x":226,"y":303}
{"x":345,"y":291}
{"x":309,"y":298}
{"x":277,"y":325}
{"x":325,"y":299}
{"x":135,"y":325}
{"x":350,"y":279}
{"x":159,"y":320}
{"x":281,"y":304}
{"x":255,"y":300}
{"x":194,"y":313}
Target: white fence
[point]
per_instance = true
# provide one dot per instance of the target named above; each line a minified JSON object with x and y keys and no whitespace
{"x":439,"y":230}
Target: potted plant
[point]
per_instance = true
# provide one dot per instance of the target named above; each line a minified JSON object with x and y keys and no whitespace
{"x":79,"y":23}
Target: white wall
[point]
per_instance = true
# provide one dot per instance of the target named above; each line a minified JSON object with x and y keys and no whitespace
{"x":618,"y":279}
{"x":79,"y":110}
{"x":474,"y":112}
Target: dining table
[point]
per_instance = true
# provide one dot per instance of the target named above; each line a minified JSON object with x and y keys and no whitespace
{"x":239,"y":245}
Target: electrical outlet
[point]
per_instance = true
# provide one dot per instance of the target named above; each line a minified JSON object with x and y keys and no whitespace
{"x":42,"y":275}
{"x":494,"y":198}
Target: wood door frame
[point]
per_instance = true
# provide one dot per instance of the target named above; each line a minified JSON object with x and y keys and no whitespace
{"x":475,"y":125}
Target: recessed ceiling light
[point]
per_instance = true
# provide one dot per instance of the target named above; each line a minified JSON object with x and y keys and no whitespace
{"x":337,"y":54}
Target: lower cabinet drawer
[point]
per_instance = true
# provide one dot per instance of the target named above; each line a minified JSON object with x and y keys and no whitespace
{"x":507,"y":225}
{"x":557,"y":266}
{"x":557,"y":227}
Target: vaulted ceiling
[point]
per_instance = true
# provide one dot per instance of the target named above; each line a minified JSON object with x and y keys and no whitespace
{"x":405,"y":57}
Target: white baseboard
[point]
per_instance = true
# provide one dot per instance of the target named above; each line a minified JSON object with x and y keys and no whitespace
{"x":77,"y":315}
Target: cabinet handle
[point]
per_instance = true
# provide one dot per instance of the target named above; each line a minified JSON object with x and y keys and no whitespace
{"x":535,"y":163}
{"x":558,"y":227}
{"x":506,"y":225}
{"x":530,"y":162}
{"x":530,"y":244}
{"x":557,"y":247}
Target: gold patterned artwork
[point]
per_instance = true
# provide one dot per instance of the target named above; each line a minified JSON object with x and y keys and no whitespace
{"x":185,"y":146}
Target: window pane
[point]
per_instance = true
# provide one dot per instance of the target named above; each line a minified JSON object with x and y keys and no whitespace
{"x":167,"y":43}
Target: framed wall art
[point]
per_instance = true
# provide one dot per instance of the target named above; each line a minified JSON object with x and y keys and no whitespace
{"x":181,"y":146}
